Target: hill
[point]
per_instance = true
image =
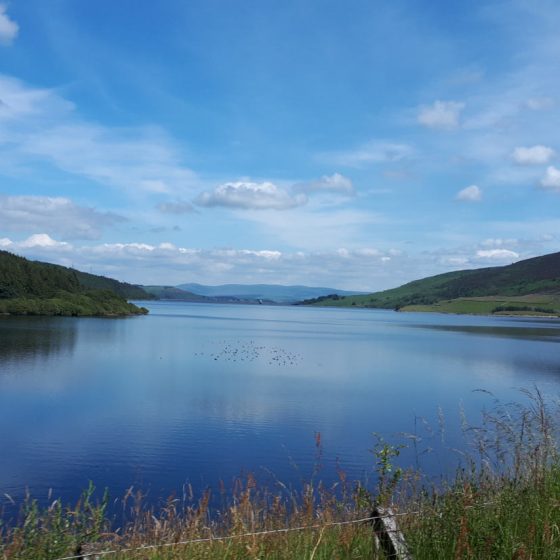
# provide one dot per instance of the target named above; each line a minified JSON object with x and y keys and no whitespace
{"x":177,"y":294}
{"x":123,"y":289}
{"x":266,"y":292}
{"x":38,"y":288}
{"x":173,"y":293}
{"x":463,"y":291}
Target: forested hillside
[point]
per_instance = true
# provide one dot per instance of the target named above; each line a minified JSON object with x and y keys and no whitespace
{"x":123,"y":289}
{"x":37,"y":288}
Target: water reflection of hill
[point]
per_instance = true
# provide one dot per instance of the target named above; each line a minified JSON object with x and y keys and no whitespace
{"x":32,"y":338}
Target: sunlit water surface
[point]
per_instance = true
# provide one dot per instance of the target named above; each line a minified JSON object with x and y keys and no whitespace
{"x":196,"y":393}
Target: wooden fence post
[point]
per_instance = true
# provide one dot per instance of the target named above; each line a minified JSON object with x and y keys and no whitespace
{"x":387,"y":536}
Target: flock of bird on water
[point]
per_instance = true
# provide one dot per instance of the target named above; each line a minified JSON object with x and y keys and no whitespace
{"x":249,"y":351}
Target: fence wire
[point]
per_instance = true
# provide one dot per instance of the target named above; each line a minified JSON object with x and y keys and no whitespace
{"x":94,"y":555}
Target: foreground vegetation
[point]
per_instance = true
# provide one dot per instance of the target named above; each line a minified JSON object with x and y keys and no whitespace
{"x":539,"y":277}
{"x":503,"y":503}
{"x":36,"y":288}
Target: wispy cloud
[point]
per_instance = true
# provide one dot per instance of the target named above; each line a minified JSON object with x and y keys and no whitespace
{"x":335,"y":183}
{"x":40,"y":125}
{"x":177,"y":207}
{"x":374,"y":151}
{"x":316,"y":229}
{"x":496,"y":242}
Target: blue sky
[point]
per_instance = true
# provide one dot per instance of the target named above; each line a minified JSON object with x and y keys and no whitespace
{"x":354,"y":144}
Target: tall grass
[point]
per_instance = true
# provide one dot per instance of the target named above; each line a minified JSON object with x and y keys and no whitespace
{"x":504,"y":502}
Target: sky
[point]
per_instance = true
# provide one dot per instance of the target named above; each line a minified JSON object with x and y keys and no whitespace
{"x":356,"y":145}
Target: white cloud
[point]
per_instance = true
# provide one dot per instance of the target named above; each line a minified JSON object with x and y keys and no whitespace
{"x":535,"y":155}
{"x":442,"y":114}
{"x":251,"y":196}
{"x":55,"y":215}
{"x":36,"y":241}
{"x":497,"y":254}
{"x":8,"y":27}
{"x":371,"y":152}
{"x":335,"y":183}
{"x":551,"y":179}
{"x":44,"y":241}
{"x":470,"y":194}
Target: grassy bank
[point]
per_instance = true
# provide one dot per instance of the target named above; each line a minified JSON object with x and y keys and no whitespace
{"x":503,"y":503}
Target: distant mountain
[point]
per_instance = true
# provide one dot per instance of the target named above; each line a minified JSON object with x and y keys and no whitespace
{"x":38,"y":288}
{"x":271,"y":292}
{"x":536,"y":276}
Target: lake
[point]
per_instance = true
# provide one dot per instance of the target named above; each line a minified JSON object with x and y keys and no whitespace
{"x":195,"y":393}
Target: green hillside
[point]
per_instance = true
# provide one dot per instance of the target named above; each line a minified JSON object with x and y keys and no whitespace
{"x":37,"y":288}
{"x":506,"y":286}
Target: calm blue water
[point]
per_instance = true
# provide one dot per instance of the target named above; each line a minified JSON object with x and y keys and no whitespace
{"x":196,"y":393}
